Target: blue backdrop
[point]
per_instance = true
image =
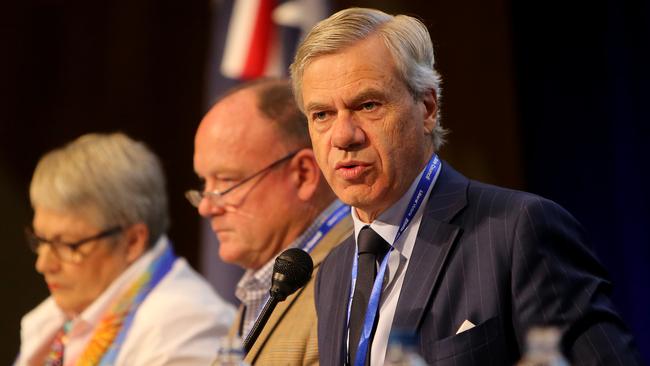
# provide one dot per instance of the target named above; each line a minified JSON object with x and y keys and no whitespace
{"x":583,"y":76}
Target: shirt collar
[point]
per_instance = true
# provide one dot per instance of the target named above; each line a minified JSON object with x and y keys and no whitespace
{"x":387,"y":224}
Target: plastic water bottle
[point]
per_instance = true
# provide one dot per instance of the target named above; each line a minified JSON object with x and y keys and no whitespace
{"x":403,"y":350}
{"x":230,"y":352}
{"x":543,"y":348}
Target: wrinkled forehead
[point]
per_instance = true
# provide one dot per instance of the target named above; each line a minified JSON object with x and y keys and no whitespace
{"x":366,"y":65}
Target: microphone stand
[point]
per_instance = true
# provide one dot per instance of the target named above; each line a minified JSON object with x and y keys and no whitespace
{"x":260,"y":322}
{"x":291,"y":271}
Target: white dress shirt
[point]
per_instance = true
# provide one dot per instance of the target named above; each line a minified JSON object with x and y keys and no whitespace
{"x":387,"y":225}
{"x":179,"y":322}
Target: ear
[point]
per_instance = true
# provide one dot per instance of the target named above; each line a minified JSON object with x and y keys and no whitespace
{"x":137,"y":241}
{"x":305,"y":174}
{"x":430,"y":111}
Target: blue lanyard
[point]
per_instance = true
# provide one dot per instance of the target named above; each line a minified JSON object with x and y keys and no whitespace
{"x":334,"y":218}
{"x":160,"y":267}
{"x":373,"y":303}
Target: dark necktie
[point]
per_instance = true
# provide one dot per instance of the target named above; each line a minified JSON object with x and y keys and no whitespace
{"x":372,"y":249}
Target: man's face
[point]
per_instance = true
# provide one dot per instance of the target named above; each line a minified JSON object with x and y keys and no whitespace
{"x":370,"y":136}
{"x":75,"y":285}
{"x":233,"y":142}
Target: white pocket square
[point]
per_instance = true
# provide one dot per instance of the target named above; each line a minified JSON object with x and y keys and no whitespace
{"x":467,"y":325}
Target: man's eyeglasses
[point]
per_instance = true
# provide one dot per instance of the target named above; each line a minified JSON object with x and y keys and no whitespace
{"x":216,"y":198}
{"x":66,"y":251}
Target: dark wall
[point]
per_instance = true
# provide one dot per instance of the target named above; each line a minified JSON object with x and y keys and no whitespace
{"x":72,"y":67}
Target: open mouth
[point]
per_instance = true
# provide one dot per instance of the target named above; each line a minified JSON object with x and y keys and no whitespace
{"x":350,"y":170}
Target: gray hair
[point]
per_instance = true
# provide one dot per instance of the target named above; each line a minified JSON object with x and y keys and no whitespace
{"x":406,"y":38}
{"x":111,"y":178}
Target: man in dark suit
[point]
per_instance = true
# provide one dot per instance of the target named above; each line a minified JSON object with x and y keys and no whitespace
{"x":468,"y":267}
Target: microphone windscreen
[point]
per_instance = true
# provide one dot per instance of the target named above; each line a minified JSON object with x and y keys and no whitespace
{"x":291,"y":271}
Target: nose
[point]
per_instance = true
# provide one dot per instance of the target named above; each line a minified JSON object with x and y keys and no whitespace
{"x":346,"y":133}
{"x":209,"y":207}
{"x":47,"y":262}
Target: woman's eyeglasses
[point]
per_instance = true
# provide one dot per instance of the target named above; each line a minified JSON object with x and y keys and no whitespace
{"x":66,"y":251}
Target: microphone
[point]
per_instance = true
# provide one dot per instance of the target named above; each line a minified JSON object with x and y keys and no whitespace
{"x":291,"y":271}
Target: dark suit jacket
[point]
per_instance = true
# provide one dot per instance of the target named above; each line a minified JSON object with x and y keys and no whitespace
{"x":502,"y":259}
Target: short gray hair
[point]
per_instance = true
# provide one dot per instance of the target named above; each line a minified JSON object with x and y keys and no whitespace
{"x":406,"y":38}
{"x":110,"y":177}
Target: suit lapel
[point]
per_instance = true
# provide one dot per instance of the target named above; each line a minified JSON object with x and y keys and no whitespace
{"x":272,"y":323}
{"x":340,"y":296}
{"x":435,"y":239}
{"x":332,"y":239}
{"x":340,"y":290}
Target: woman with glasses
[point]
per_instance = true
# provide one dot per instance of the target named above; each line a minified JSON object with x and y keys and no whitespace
{"x":119,"y":295}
